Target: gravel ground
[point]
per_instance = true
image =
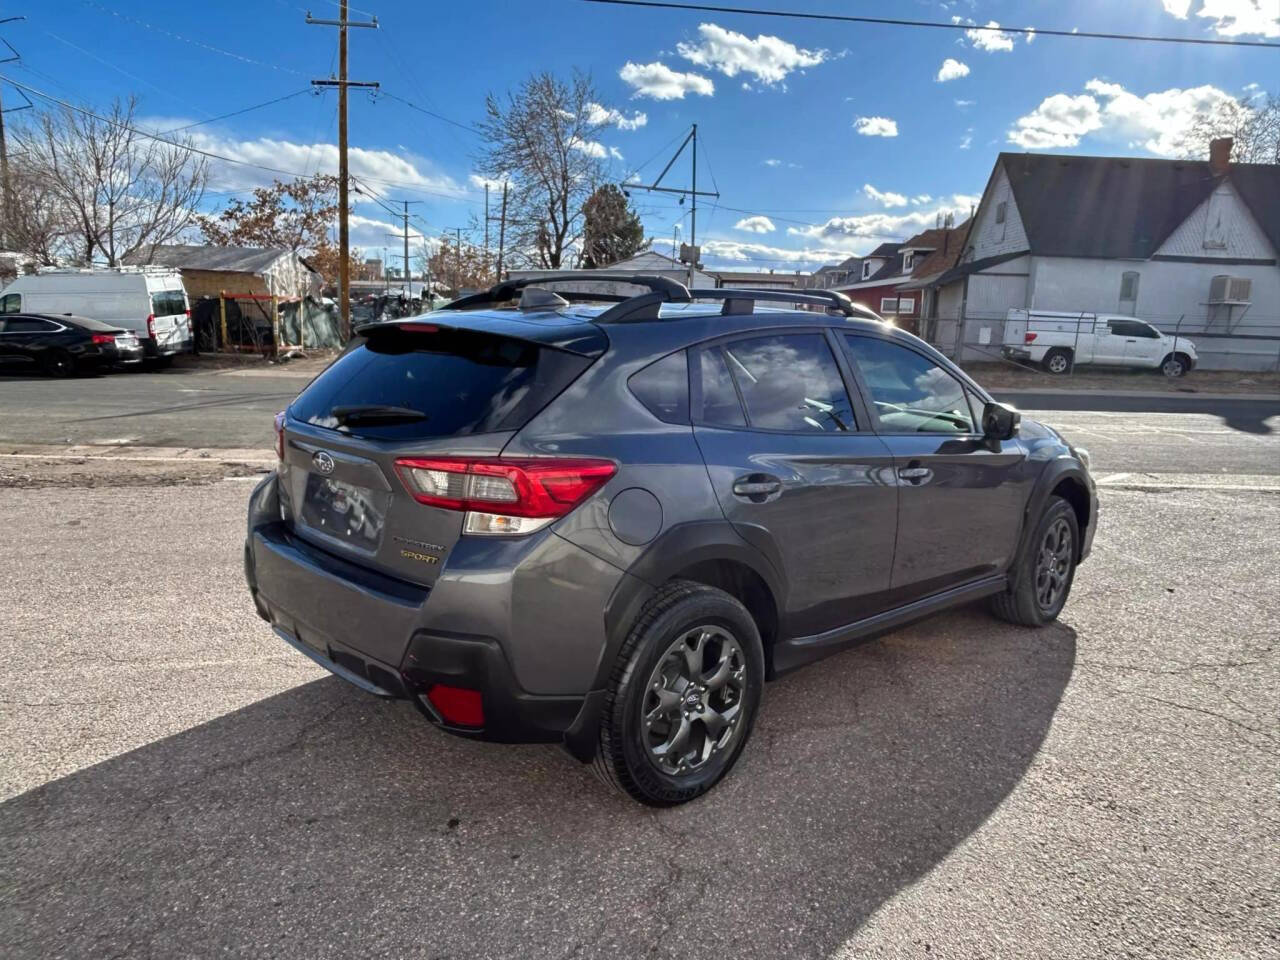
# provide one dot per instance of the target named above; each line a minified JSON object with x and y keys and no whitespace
{"x":177,"y":783}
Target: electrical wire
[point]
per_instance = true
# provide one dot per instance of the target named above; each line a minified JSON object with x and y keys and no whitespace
{"x":934,"y":24}
{"x":429,"y":113}
{"x":236,"y":113}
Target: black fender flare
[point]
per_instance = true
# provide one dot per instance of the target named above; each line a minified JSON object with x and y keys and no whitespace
{"x":677,"y":548}
{"x":1054,"y":472}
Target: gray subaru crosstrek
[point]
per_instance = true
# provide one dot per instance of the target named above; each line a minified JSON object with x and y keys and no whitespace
{"x":544,"y":519}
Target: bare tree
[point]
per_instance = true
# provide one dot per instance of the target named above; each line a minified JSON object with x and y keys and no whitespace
{"x":121,"y":190}
{"x":37,"y":225}
{"x":1253,"y":123}
{"x":541,"y":139}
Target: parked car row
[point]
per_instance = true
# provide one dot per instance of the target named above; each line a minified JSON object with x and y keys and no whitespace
{"x":68,"y":320}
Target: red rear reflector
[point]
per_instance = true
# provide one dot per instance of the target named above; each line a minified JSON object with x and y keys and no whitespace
{"x":104,"y":338}
{"x":525,"y":487}
{"x":151,"y":326}
{"x":458,"y":706}
{"x":280,"y":435}
{"x":1030,"y":338}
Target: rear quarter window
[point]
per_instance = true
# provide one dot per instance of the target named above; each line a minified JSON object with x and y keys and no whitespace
{"x":464,"y":382}
{"x":663,"y":387}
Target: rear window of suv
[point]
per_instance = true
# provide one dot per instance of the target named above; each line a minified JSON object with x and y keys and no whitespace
{"x":463,"y":382}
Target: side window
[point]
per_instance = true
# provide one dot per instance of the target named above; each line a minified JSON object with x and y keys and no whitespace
{"x":28,"y":325}
{"x":911,"y":393}
{"x":663,"y":387}
{"x":790,"y":382}
{"x":720,"y":406}
{"x":1146,"y":330}
{"x":11,"y":303}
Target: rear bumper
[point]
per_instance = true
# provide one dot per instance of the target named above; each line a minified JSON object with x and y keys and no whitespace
{"x":1016,"y":353}
{"x":390,"y":639}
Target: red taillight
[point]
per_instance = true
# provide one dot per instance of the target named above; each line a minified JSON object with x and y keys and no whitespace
{"x":457,"y":706}
{"x":528,"y":487}
{"x":418,"y":327}
{"x":151,"y":326}
{"x":188,"y":313}
{"x":1029,"y":338}
{"x":280,"y":435}
{"x":104,"y":338}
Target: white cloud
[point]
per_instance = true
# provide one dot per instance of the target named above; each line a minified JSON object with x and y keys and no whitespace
{"x":773,"y":162}
{"x":591,"y":148}
{"x":965,"y":104}
{"x":746,"y":252}
{"x":966,"y":141}
{"x":921,"y":199}
{"x":615,"y":153}
{"x":951,"y":69}
{"x":1234,"y":18}
{"x":876,"y":126}
{"x":991,"y":40}
{"x":660,"y":82}
{"x":597,"y":114}
{"x":756,"y":224}
{"x":1030,"y":37}
{"x":884,"y":198}
{"x":380,"y":169}
{"x":768,"y":59}
{"x":1156,"y":122}
{"x":851,"y":234}
{"x":480,"y":182}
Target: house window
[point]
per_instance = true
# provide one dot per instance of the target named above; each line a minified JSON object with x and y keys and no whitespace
{"x":906,"y":304}
{"x":866,"y":270}
{"x":1002,"y":209}
{"x":908,"y":260}
{"x":889,"y":305}
{"x":1129,"y":286}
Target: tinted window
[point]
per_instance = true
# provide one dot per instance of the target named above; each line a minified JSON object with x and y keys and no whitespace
{"x":11,"y":303}
{"x":790,"y":382}
{"x":28,"y":325}
{"x":1132,"y":328}
{"x":463,"y":381}
{"x":168,"y":303}
{"x":663,"y":387}
{"x":720,"y":404}
{"x":911,"y":393}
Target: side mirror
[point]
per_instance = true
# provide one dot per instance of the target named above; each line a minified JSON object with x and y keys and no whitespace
{"x":1000,"y":421}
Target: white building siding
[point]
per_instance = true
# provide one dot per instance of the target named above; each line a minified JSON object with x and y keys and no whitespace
{"x":1222,"y":226}
{"x":990,"y":238}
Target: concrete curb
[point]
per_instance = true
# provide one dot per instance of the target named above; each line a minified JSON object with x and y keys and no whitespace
{"x":1135,"y":394}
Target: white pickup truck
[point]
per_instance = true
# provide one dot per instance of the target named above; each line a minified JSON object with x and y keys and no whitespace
{"x":1058,"y":341}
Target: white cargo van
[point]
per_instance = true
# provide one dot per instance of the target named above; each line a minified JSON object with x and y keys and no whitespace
{"x":150,"y":301}
{"x":1058,"y":341}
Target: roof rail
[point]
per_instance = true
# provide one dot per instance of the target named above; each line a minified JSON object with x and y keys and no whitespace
{"x":741,"y":301}
{"x":662,"y":290}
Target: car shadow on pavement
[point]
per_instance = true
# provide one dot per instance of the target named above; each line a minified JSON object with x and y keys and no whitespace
{"x":320,"y":822}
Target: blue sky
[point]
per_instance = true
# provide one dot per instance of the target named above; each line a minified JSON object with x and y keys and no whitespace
{"x":792,"y":115}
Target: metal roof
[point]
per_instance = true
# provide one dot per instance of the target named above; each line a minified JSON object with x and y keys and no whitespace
{"x":254,"y":260}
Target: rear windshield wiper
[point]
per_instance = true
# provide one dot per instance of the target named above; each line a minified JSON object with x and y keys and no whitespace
{"x":375,"y":413}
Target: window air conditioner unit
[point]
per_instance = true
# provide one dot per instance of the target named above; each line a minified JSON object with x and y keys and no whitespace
{"x":1230,"y":290}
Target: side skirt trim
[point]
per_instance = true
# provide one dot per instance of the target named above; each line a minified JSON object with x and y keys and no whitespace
{"x":798,"y":651}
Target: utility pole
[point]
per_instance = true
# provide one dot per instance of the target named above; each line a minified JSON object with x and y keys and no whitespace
{"x":692,"y":192}
{"x":5,"y":194}
{"x":457,"y":280}
{"x":342,"y":83}
{"x":502,"y":230}
{"x":486,"y":226}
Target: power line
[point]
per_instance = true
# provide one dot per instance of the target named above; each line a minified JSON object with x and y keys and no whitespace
{"x":934,"y":24}
{"x":236,"y":113}
{"x":431,"y":113}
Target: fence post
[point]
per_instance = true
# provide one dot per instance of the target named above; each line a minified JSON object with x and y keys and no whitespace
{"x":222,"y":311}
{"x":1075,"y":349}
{"x":275,"y":325}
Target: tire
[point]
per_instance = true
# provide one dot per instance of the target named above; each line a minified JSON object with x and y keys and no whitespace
{"x":59,"y":363}
{"x":1031,"y":602}
{"x":1058,"y":361}
{"x":687,"y":629}
{"x":1174,"y":365}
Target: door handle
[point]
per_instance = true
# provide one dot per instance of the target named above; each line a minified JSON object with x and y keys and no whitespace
{"x":757,"y":487}
{"x":914,"y":474}
{"x":1131,"y":341}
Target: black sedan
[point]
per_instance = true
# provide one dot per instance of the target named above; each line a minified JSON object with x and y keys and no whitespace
{"x":63,"y":345}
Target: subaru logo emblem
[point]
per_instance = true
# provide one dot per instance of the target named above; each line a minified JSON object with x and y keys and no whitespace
{"x":324,"y":463}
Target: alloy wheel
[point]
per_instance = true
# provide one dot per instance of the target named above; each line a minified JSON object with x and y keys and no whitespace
{"x":1172,"y":368}
{"x":1058,"y":364}
{"x":691,"y":711}
{"x":1053,"y":564}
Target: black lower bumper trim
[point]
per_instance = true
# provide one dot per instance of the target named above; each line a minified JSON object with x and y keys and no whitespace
{"x":368,"y":686}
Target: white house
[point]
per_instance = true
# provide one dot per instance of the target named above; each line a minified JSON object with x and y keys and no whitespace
{"x":1191,"y":246}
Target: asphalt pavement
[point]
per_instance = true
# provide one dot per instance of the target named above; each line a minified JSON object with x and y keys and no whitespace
{"x":175,"y":782}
